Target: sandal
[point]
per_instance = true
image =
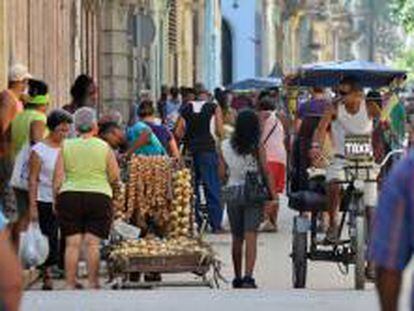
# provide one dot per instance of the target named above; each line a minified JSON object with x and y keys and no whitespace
{"x":47,"y":285}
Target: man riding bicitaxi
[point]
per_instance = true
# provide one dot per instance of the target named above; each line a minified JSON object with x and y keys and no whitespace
{"x":349,"y":116}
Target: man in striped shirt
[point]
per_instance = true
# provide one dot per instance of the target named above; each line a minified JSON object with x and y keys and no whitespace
{"x":392,"y":242}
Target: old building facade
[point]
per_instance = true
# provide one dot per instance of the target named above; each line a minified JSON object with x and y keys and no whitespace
{"x":56,"y":39}
{"x":126,"y":45}
{"x":337,"y":30}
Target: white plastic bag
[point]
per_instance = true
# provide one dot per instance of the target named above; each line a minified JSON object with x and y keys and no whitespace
{"x":34,"y":246}
{"x":20,"y":175}
{"x":125,"y":231}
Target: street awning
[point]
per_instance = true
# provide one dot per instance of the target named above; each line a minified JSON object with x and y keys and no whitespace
{"x":366,"y":74}
{"x":255,"y":84}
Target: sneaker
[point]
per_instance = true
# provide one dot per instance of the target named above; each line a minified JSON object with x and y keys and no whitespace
{"x":237,"y":283}
{"x":249,"y":283}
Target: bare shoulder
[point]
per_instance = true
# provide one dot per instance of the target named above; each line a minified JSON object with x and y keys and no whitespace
{"x":6,"y":98}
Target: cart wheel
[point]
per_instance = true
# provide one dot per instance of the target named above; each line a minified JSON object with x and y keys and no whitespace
{"x":359,"y":251}
{"x":117,"y":285}
{"x":299,"y":259}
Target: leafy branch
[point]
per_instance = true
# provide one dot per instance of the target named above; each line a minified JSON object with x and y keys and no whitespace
{"x":403,"y":13}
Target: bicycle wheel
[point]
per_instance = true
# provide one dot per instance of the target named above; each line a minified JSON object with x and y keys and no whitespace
{"x":359,"y":250}
{"x":299,"y":259}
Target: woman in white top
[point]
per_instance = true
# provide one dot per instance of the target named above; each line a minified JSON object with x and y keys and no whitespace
{"x":42,"y":166}
{"x":243,"y":152}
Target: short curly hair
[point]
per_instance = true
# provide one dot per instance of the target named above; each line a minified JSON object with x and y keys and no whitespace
{"x":85,"y":119}
{"x":56,"y":117}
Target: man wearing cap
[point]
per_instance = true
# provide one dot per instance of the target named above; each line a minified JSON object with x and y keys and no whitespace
{"x":10,"y":106}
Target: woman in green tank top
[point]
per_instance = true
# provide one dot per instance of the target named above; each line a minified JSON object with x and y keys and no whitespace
{"x":85,"y":172}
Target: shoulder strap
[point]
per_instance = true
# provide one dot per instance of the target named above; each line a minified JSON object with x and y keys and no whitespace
{"x":270,"y":134}
{"x":262,"y":171}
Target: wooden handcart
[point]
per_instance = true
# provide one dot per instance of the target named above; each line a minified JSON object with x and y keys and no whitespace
{"x":125,"y":272}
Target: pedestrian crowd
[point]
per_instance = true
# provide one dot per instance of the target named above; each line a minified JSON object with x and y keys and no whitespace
{"x":60,"y":167}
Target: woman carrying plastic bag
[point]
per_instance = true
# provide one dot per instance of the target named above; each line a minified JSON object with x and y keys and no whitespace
{"x":42,"y":165}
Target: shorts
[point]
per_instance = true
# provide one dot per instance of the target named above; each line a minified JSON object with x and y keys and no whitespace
{"x":277,"y":172}
{"x":22,"y":203}
{"x":84,"y":212}
{"x":335,"y":172}
{"x":244,"y":218}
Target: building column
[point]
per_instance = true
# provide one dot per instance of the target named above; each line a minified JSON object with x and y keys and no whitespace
{"x":185,"y":42}
{"x":3,"y":45}
{"x":201,"y":46}
{"x":116,"y":55}
{"x":212,"y":50}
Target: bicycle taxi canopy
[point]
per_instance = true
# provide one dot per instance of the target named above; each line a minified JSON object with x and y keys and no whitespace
{"x":328,"y":74}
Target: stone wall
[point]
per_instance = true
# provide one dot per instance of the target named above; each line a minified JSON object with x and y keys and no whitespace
{"x":56,"y":39}
{"x":3,"y":44}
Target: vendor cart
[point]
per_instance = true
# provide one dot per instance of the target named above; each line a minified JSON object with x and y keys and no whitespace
{"x":170,"y":244}
{"x":205,"y":270}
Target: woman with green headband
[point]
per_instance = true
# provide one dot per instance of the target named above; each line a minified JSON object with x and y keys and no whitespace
{"x":29,"y":127}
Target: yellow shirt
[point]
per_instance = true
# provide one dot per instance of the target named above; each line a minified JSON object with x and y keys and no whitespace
{"x":20,"y":128}
{"x":85,"y":164}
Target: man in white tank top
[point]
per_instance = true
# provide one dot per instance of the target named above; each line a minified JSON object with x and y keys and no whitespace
{"x":351,"y":116}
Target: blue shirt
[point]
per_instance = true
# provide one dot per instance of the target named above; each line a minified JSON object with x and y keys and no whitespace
{"x":172,"y":112}
{"x":154,"y":147}
{"x":3,"y":221}
{"x":162,"y":133}
{"x":392,"y":242}
{"x":313,"y":108}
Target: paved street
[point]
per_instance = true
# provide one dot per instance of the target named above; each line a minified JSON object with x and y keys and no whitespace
{"x":327,"y":287}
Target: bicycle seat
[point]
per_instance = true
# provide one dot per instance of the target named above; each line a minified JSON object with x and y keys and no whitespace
{"x":314,"y":172}
{"x":308,"y":201}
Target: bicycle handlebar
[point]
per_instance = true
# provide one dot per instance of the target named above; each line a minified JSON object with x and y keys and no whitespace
{"x":389,"y":155}
{"x":318,"y":171}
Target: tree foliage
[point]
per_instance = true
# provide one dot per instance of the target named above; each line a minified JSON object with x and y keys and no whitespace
{"x":403,"y":13}
{"x":406,"y":62}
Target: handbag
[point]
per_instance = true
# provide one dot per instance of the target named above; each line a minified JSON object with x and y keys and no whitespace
{"x":256,"y":191}
{"x":20,"y":175}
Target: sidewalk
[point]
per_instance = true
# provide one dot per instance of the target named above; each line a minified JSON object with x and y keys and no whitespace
{"x":200,"y":300}
{"x":327,"y":288}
